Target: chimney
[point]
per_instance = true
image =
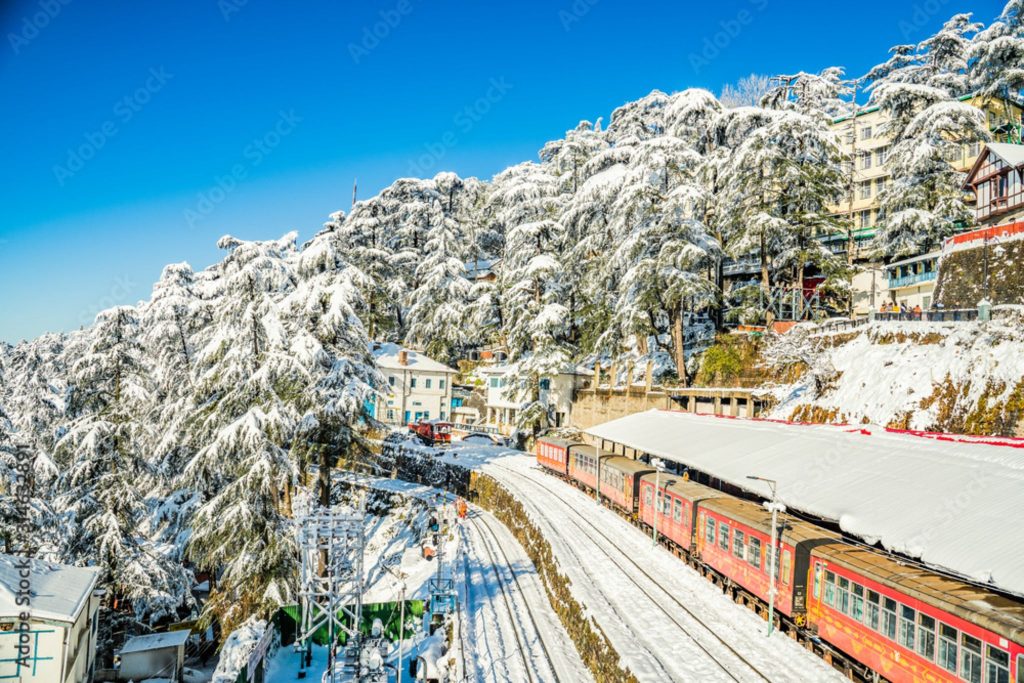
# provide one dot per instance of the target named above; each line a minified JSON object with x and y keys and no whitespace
{"x":403,"y":357}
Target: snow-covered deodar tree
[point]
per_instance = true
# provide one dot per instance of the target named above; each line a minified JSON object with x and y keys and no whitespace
{"x":104,"y":472}
{"x":249,"y":384}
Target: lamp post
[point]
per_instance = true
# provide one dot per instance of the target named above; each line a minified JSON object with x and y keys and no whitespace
{"x":775,"y":507}
{"x":659,"y":467}
{"x":401,"y":610}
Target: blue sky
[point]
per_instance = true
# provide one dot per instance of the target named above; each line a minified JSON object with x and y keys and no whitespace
{"x":138,"y":133}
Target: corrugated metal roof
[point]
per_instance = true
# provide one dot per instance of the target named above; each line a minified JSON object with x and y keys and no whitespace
{"x":953,"y":502}
{"x":56,"y":591}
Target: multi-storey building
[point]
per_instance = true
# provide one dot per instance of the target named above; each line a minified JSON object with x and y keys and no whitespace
{"x":418,"y":387}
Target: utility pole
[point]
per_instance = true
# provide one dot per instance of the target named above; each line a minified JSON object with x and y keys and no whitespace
{"x":659,"y":467}
{"x":775,"y":507}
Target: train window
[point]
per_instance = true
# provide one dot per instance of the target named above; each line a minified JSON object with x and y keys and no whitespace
{"x":997,"y":665}
{"x":738,"y":544}
{"x":754,"y":552}
{"x":723,"y":536}
{"x":926,"y":637}
{"x":647,"y":497}
{"x":709,"y":528}
{"x":787,"y":561}
{"x":830,"y":589}
{"x":817,"y":581}
{"x":947,"y":647}
{"x":1020,"y":668}
{"x":677,"y":512}
{"x":857,"y":602}
{"x":889,"y":618}
{"x":970,"y":658}
{"x":843,"y":595}
{"x":907,"y":628}
{"x":871,"y":609}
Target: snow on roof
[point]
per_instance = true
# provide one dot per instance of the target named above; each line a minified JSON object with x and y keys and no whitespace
{"x":57,"y":591}
{"x":1011,"y":154}
{"x":155,"y":641}
{"x":915,"y":259}
{"x":386,"y":355}
{"x":953,"y":502}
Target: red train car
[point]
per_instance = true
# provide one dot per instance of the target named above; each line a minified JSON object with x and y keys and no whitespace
{"x":583,"y":465}
{"x":734,"y":537}
{"x":678,"y":501}
{"x":620,"y":481}
{"x":910,"y":624}
{"x":553,"y":454}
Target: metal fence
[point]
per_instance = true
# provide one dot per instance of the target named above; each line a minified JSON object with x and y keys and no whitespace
{"x":939,"y":315}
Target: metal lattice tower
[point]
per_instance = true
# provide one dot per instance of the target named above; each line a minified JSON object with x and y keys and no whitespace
{"x":331,"y":545}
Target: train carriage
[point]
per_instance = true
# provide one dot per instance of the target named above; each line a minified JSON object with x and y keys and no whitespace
{"x":911,"y":624}
{"x":620,"y":481}
{"x":553,"y":454}
{"x":678,"y":500}
{"x":734,"y":538}
{"x":583,"y":462}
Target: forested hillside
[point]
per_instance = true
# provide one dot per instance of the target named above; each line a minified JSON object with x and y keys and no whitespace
{"x":169,"y":437}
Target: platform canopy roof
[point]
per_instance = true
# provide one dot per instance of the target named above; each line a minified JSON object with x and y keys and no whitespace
{"x":954,"y":502}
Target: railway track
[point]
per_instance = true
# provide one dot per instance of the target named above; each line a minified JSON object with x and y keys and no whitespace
{"x":509,"y":585}
{"x":732,"y":663}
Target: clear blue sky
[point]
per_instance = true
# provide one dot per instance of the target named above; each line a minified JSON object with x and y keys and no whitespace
{"x":124,"y":121}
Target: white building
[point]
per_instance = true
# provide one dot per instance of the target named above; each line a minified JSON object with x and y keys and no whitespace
{"x":418,"y":387}
{"x":57,"y":626}
{"x":556,"y":392}
{"x":912,"y":281}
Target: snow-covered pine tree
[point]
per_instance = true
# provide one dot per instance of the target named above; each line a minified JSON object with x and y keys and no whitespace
{"x":996,"y":64}
{"x":331,"y":343}
{"x":105,"y":473}
{"x":248,"y":390}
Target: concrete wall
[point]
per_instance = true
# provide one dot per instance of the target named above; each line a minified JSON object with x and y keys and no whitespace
{"x":961,"y":281}
{"x":593,"y":407}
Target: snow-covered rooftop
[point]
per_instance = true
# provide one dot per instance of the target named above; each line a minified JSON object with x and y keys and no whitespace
{"x":155,"y":641}
{"x":57,"y":591}
{"x":953,"y":502}
{"x":387,"y":356}
{"x":1011,"y":154}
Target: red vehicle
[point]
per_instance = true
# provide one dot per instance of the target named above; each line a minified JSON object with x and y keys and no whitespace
{"x":583,"y":465}
{"x":734,"y":537}
{"x":910,"y":624}
{"x":432,"y":432}
{"x":553,"y":454}
{"x":620,"y":481}
{"x":677,"y":508}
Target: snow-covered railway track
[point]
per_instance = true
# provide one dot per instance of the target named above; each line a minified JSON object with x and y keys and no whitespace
{"x":708,"y":648}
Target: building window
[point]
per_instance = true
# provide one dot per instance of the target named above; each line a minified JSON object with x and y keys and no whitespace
{"x":997,"y":666}
{"x":865,"y":190}
{"x":391,"y":381}
{"x":973,"y":149}
{"x":947,"y":647}
{"x":865,"y":133}
{"x":881,"y":156}
{"x":865,"y":160}
{"x":391,"y":414}
{"x":443,"y":415}
{"x":440,"y":384}
{"x":427,"y":382}
{"x":412,"y":382}
{"x":494,"y":382}
{"x":970,"y":658}
{"x":880,"y":186}
{"x":545,"y":384}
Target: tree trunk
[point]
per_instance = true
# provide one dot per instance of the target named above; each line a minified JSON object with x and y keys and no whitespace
{"x":679,"y":345}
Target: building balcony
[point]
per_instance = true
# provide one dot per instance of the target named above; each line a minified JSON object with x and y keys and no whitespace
{"x":912,"y":279}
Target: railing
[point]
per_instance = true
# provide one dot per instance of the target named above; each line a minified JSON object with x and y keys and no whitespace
{"x":913,"y":279}
{"x":482,"y":429}
{"x":951,"y":315}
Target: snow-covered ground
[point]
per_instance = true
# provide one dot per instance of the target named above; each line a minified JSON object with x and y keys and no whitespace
{"x":666,"y":621}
